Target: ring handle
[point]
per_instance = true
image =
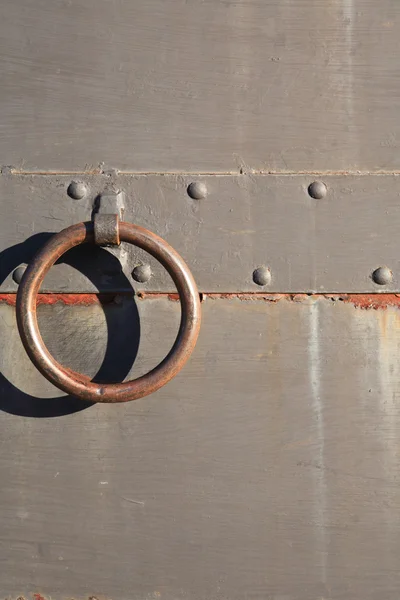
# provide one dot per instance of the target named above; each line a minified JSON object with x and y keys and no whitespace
{"x":80,"y":385}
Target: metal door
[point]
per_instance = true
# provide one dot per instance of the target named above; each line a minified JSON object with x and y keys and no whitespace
{"x":259,"y":138}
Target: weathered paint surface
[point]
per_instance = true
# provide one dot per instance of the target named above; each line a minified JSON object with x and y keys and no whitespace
{"x":223,"y":238}
{"x":267,"y":469}
{"x":211,"y":86}
{"x":270,"y":468}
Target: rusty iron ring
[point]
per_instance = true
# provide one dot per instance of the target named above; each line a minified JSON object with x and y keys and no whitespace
{"x":80,"y":385}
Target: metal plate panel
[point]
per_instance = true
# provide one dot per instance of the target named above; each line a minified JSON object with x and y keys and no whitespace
{"x":328,"y":245}
{"x":267,"y":469}
{"x":214,"y":85}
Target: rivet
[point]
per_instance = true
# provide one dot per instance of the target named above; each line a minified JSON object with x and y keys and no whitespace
{"x":382,"y":276}
{"x":18,"y":273}
{"x":142,"y":273}
{"x":77,"y":190}
{"x":262,"y":276}
{"x":197,"y":190}
{"x":317,"y":190}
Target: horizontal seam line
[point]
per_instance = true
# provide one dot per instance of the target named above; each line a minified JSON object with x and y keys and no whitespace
{"x":206,"y":173}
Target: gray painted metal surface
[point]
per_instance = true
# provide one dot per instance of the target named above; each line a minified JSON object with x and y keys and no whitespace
{"x":268,"y":468}
{"x":164,"y":85}
{"x":331,"y":244}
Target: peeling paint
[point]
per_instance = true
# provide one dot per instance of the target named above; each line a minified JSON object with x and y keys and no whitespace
{"x":369,"y":301}
{"x":67,"y":299}
{"x":174,"y":297}
{"x":38,"y":596}
{"x":363,"y":301}
{"x":377,"y":301}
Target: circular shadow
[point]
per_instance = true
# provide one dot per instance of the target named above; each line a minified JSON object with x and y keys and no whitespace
{"x":122,"y":341}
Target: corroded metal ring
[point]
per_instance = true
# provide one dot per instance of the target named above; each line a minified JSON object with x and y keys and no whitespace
{"x":80,"y":385}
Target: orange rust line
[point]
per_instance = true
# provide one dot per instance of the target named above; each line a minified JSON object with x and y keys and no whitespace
{"x":363,"y":301}
{"x":67,"y":299}
{"x":367,"y":301}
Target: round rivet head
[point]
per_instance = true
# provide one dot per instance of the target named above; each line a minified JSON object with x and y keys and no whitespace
{"x":77,"y":190}
{"x":382,"y":276}
{"x":262,"y":276}
{"x":18,"y":273}
{"x":197,"y":190}
{"x":142,"y":273}
{"x":317,"y":190}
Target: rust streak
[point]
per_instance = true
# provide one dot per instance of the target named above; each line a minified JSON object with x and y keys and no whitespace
{"x":174,"y":297}
{"x":67,"y":299}
{"x":374,"y":301}
{"x":37,"y":596}
{"x":362,"y":301}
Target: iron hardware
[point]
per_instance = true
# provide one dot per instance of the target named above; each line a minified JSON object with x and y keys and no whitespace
{"x":80,"y":385}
